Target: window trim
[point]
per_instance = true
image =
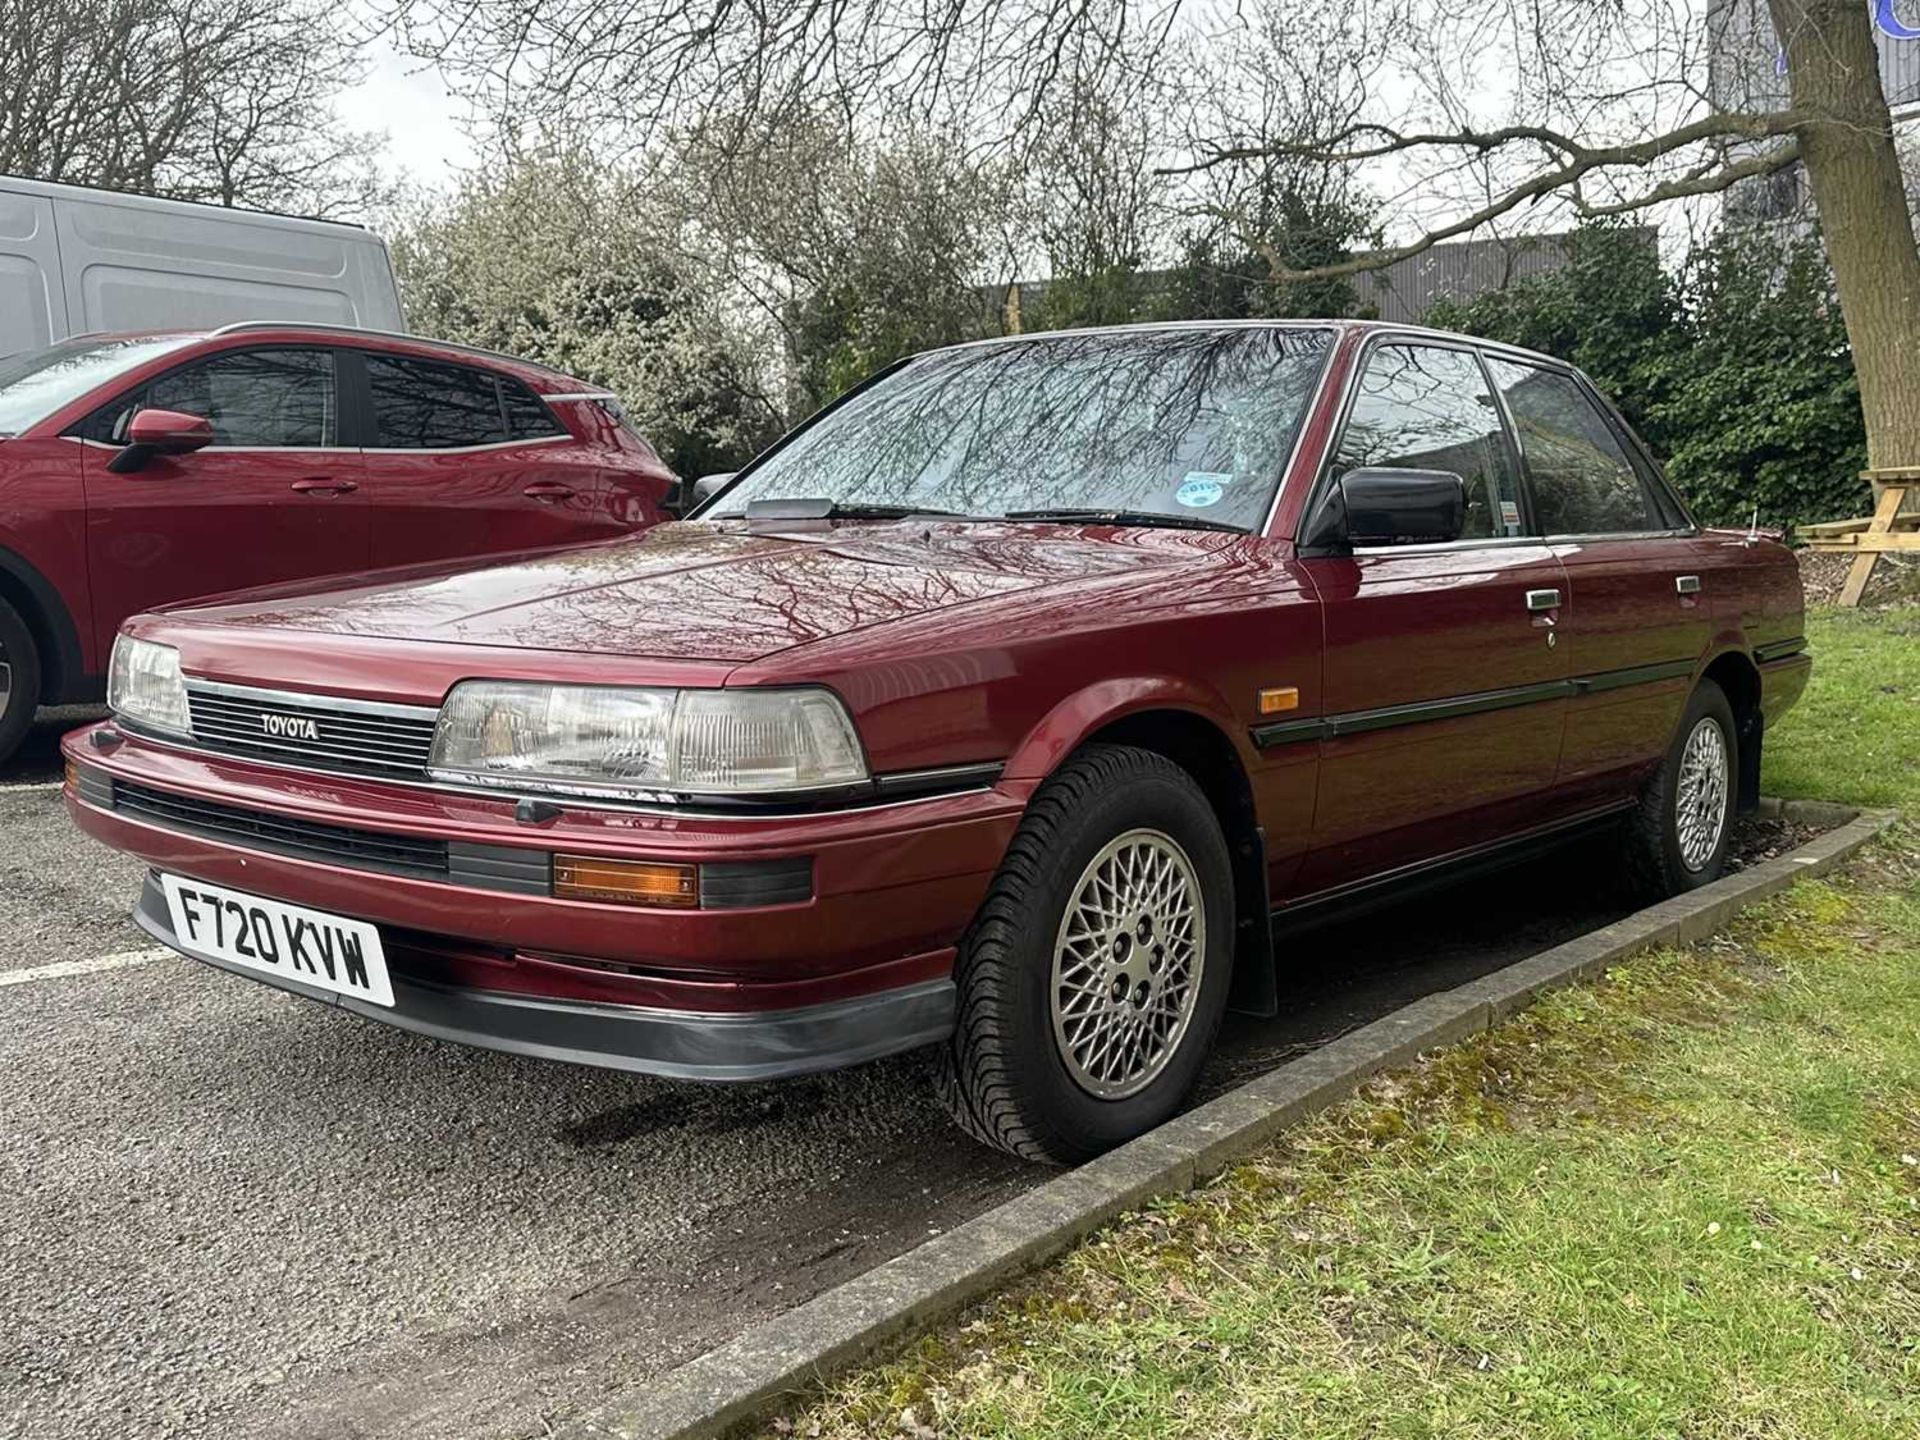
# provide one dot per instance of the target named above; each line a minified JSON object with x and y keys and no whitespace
{"x":1666,"y":502}
{"x":343,"y":437}
{"x":369,"y":426}
{"x":1437,"y":340}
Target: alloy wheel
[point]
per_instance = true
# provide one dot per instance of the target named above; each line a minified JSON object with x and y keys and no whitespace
{"x":1700,"y":799}
{"x":1127,"y":963}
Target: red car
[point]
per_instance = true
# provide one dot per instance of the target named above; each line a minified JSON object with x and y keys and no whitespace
{"x":1002,"y":706}
{"x":138,"y":470}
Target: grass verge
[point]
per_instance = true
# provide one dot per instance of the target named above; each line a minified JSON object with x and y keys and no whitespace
{"x":1682,"y":1202}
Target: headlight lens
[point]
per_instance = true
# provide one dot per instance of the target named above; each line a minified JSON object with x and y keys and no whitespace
{"x":600,"y":740}
{"x":145,"y":688}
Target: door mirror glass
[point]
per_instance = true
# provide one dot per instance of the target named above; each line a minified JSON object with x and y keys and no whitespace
{"x":708,"y":486}
{"x":1394,"y":507}
{"x":170,"y":432}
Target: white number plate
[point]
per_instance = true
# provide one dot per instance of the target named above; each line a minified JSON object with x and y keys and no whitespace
{"x":289,"y":942}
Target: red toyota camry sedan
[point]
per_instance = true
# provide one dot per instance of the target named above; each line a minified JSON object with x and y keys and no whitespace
{"x":140,"y":470}
{"x":1000,"y":707}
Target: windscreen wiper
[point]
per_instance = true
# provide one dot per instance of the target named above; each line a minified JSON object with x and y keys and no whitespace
{"x":1127,"y":517}
{"x":824,"y":509}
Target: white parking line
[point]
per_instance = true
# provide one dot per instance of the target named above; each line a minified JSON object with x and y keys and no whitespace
{"x":35,"y":785}
{"x":60,"y":971}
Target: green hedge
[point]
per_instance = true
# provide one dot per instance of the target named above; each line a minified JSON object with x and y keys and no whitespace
{"x":1735,"y":368}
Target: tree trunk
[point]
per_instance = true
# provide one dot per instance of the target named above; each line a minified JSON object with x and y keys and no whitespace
{"x":1854,"y":171}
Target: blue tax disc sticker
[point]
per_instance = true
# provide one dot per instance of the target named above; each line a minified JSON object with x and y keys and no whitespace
{"x":1197,"y":492}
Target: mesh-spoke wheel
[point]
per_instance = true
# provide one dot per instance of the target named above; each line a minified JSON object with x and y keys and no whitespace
{"x":1127,"y":964}
{"x":1678,"y":833}
{"x":1092,"y":980}
{"x":1700,"y":804}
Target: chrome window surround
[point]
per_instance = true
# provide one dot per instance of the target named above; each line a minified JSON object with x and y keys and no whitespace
{"x":1482,"y":348}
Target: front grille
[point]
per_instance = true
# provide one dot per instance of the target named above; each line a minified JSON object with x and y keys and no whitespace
{"x":391,"y":741}
{"x":282,"y":835}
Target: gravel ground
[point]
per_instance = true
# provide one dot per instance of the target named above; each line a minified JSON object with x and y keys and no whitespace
{"x":226,"y":1211}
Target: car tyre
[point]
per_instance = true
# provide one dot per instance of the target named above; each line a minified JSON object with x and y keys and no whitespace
{"x":1678,"y":836}
{"x":21,"y":675}
{"x":1118,"y":878}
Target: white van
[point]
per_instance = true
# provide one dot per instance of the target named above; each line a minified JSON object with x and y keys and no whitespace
{"x":75,"y":261}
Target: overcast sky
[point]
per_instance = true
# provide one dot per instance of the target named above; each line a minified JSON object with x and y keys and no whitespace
{"x":405,"y":98}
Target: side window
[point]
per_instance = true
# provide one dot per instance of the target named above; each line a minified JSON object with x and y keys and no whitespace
{"x":252,"y":397}
{"x":424,"y":405}
{"x":527,"y":418}
{"x":1583,"y":483}
{"x":1424,"y":407}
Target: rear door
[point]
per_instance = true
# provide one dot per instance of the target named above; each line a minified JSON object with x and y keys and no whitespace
{"x":1444,"y":685}
{"x":462,"y":461}
{"x":275,"y":497}
{"x":1640,"y":613}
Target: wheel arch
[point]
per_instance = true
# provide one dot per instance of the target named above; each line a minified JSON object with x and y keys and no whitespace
{"x":50,"y":622}
{"x":1739,"y":680}
{"x":1193,"y":729}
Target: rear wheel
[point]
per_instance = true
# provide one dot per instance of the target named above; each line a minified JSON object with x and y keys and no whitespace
{"x":1094,"y":977}
{"x":19,"y":680}
{"x":1678,"y":838}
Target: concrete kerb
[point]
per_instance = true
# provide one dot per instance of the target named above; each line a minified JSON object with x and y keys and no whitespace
{"x":728,"y":1386}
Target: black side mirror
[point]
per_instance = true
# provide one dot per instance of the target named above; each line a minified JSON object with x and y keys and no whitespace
{"x":1381,"y":506}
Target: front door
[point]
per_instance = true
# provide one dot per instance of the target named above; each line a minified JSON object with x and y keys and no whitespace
{"x":1639,"y":586}
{"x":1444,"y":686}
{"x":275,"y":497}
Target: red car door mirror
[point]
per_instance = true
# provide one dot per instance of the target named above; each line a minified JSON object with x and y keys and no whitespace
{"x":170,"y":432}
{"x":161,"y":432}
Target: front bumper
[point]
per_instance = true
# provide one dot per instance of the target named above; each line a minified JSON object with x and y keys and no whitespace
{"x":858,"y":967}
{"x":677,"y":1044}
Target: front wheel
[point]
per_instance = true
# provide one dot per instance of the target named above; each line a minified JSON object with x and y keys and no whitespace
{"x":1095,"y":975}
{"x":19,"y":680}
{"x":1678,"y":838}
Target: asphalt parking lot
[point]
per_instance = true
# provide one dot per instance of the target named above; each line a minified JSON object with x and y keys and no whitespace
{"x":227,"y":1211}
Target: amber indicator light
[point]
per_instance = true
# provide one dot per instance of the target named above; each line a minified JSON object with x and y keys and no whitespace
{"x":627,"y":882}
{"x":1282,"y":698}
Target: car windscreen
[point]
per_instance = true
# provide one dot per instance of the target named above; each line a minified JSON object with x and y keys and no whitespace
{"x":1193,"y":424}
{"x":35,"y":384}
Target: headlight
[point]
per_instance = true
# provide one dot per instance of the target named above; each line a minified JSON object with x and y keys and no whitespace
{"x":594,"y":740}
{"x":144,"y":686}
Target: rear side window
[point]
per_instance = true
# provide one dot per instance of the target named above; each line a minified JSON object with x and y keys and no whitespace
{"x":1583,"y":482}
{"x":267,"y":398}
{"x":1427,"y":407}
{"x":527,"y":417}
{"x":424,"y":405}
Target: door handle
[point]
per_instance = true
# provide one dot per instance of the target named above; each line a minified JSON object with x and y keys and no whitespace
{"x":549,"y":490}
{"x":1543,"y":599}
{"x":1687,"y":584}
{"x":323,"y":485}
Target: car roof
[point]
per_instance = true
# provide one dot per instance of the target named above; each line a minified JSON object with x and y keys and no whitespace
{"x":1345,"y":327}
{"x":544,"y":379}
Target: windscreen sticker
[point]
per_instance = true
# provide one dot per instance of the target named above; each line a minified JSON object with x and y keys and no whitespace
{"x":1197,"y":493}
{"x":1510,"y":516}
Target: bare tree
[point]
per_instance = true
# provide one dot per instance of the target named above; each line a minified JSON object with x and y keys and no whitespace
{"x":1610,"y":110}
{"x":228,"y":101}
{"x":623,"y":70}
